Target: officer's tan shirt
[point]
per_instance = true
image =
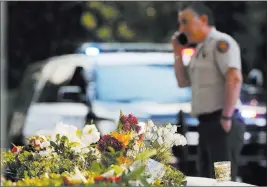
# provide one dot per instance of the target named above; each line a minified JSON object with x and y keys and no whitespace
{"x":207,"y":70}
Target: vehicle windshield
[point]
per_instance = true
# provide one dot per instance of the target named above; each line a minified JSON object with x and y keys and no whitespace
{"x":135,"y":83}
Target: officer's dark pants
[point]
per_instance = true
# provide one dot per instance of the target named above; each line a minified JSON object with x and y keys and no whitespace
{"x":217,"y":145}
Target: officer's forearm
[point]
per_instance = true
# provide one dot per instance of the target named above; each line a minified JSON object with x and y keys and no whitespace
{"x":232,"y":91}
{"x":180,"y":74}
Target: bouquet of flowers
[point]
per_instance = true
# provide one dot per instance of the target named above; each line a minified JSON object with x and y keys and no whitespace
{"x":72,"y":156}
{"x":162,"y":138}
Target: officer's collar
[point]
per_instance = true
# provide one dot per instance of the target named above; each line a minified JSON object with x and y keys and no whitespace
{"x":210,"y":34}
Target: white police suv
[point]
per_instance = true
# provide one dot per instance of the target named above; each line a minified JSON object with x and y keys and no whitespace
{"x":134,"y":78}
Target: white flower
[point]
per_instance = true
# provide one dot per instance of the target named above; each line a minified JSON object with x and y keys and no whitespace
{"x":78,"y":176}
{"x":46,"y":175}
{"x":97,"y":154}
{"x":85,"y":150}
{"x":136,"y":147}
{"x":45,"y":144}
{"x":169,"y":139}
{"x":77,"y":149}
{"x":150,"y":125}
{"x":89,"y":129}
{"x":183,"y":140}
{"x":90,"y":134}
{"x":165,"y":131}
{"x":80,"y":148}
{"x":160,"y":141}
{"x":37,"y":142}
{"x":92,"y":151}
{"x":155,"y":128}
{"x":160,"y":131}
{"x":65,"y":130}
{"x":143,"y":127}
{"x":154,"y":137}
{"x":130,"y":153}
{"x":180,"y":140}
{"x":148,"y":136}
{"x":43,"y":137}
{"x":35,"y":155}
{"x":45,"y":153}
{"x":174,"y":129}
{"x":168,"y":126}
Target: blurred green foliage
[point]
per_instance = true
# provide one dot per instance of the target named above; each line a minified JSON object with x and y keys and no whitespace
{"x":111,"y":27}
{"x":88,"y":20}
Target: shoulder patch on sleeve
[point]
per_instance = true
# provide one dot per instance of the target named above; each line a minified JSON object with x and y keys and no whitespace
{"x":222,"y":46}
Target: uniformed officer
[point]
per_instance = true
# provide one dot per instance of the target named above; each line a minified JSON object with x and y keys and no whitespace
{"x":214,"y":73}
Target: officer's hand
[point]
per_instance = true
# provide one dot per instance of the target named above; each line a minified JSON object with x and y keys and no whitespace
{"x":226,"y":125}
{"x":177,"y":48}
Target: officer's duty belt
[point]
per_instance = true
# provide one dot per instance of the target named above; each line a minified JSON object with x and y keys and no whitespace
{"x":213,"y":115}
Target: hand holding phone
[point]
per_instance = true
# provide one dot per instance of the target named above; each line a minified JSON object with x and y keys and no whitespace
{"x":179,"y":41}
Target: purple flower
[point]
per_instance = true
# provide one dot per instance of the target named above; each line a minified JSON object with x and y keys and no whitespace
{"x":129,"y":122}
{"x":108,"y":141}
{"x":137,"y":128}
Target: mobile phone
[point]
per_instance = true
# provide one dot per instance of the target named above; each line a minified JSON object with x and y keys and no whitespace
{"x":182,"y":39}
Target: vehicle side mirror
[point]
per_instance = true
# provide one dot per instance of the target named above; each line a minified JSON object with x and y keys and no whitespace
{"x":70,"y":93}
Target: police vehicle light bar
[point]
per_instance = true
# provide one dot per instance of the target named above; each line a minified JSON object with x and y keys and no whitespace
{"x":92,"y":51}
{"x":90,"y":48}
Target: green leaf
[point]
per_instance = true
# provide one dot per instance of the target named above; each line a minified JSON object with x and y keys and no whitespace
{"x":121,"y":113}
{"x":108,"y":159}
{"x":25,"y":174}
{"x":57,"y":137}
{"x":53,"y":144}
{"x":117,"y":169}
{"x":147,"y":154}
{"x":64,"y":139}
{"x":144,"y":181}
{"x":79,"y":133}
{"x":136,"y":173}
{"x":74,"y":144}
{"x":92,"y":122}
{"x":96,"y":167}
{"x":112,"y":150}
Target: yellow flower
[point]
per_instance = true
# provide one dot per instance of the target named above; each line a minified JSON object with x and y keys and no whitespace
{"x":124,"y":160}
{"x":123,"y":138}
{"x":157,"y":182}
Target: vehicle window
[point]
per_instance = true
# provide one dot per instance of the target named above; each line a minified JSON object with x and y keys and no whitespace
{"x":156,"y":83}
{"x":57,"y":77}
